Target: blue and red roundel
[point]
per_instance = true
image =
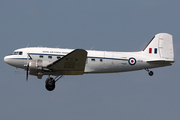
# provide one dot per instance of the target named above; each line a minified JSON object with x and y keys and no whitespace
{"x":132,"y":61}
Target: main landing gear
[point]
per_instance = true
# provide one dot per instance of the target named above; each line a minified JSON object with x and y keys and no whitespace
{"x":50,"y":82}
{"x":149,"y":72}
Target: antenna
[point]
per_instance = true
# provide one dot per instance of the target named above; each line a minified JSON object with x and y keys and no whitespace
{"x":57,"y":46}
{"x":40,"y":46}
{"x":92,"y":47}
{"x":27,"y":45}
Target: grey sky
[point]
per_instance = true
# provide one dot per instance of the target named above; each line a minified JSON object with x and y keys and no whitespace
{"x":116,"y":25}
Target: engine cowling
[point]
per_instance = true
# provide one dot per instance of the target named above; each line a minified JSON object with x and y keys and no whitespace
{"x":35,"y":67}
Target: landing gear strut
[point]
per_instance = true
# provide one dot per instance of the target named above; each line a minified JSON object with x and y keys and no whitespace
{"x":149,"y":72}
{"x":50,"y":82}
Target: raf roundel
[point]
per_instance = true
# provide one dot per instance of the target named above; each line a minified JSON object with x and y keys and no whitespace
{"x":132,"y":61}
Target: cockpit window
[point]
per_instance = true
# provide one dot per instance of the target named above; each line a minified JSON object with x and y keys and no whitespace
{"x":18,"y":53}
{"x":15,"y":53}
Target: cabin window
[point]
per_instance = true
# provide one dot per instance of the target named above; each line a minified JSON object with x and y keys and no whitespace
{"x":41,"y":56}
{"x":101,"y":60}
{"x":58,"y":57}
{"x":50,"y":57}
{"x":92,"y":59}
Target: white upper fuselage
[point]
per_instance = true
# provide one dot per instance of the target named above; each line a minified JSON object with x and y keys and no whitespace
{"x":97,"y":61}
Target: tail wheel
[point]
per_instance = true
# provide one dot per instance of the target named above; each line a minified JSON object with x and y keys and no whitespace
{"x":149,"y":72}
{"x":50,"y":84}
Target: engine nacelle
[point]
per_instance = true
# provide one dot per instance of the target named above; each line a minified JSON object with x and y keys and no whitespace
{"x":35,"y":67}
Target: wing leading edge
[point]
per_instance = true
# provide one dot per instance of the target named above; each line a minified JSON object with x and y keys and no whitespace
{"x":71,"y":64}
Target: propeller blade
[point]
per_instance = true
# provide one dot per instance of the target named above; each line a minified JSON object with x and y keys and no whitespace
{"x":27,"y":70}
{"x":27,"y":67}
{"x":27,"y":75}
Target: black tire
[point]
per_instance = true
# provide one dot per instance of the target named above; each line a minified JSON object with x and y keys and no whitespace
{"x":151,"y":73}
{"x":50,"y":84}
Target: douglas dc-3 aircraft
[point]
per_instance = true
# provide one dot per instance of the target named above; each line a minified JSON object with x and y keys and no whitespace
{"x":39,"y":61}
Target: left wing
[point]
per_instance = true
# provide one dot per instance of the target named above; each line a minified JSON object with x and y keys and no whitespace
{"x":71,"y":64}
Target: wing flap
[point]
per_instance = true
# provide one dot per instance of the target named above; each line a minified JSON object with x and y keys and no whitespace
{"x":71,"y":64}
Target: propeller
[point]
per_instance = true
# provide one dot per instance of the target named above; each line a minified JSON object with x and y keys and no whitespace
{"x":27,"y":70}
{"x":27,"y":67}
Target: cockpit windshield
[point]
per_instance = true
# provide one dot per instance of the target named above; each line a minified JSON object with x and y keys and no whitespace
{"x":17,"y":53}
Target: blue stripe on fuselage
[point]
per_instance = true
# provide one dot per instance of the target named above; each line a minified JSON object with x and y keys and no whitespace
{"x":65,"y":55}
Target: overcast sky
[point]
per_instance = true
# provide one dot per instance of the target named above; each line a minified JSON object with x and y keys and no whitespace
{"x":115,"y":25}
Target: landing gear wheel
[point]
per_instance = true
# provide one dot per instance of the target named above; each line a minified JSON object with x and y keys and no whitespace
{"x":151,"y":73}
{"x":50,"y":84}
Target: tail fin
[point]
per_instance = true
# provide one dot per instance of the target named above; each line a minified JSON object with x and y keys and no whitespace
{"x":160,"y":47}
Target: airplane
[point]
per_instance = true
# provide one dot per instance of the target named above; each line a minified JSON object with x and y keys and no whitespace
{"x":39,"y":61}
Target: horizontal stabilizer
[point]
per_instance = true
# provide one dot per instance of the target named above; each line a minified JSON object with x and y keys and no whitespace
{"x":160,"y":62}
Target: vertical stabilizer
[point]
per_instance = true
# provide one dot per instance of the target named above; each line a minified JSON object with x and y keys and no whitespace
{"x":160,"y":47}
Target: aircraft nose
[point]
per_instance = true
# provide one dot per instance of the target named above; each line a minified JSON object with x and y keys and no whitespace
{"x":9,"y":60}
{"x":6,"y":59}
{"x":14,"y":62}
